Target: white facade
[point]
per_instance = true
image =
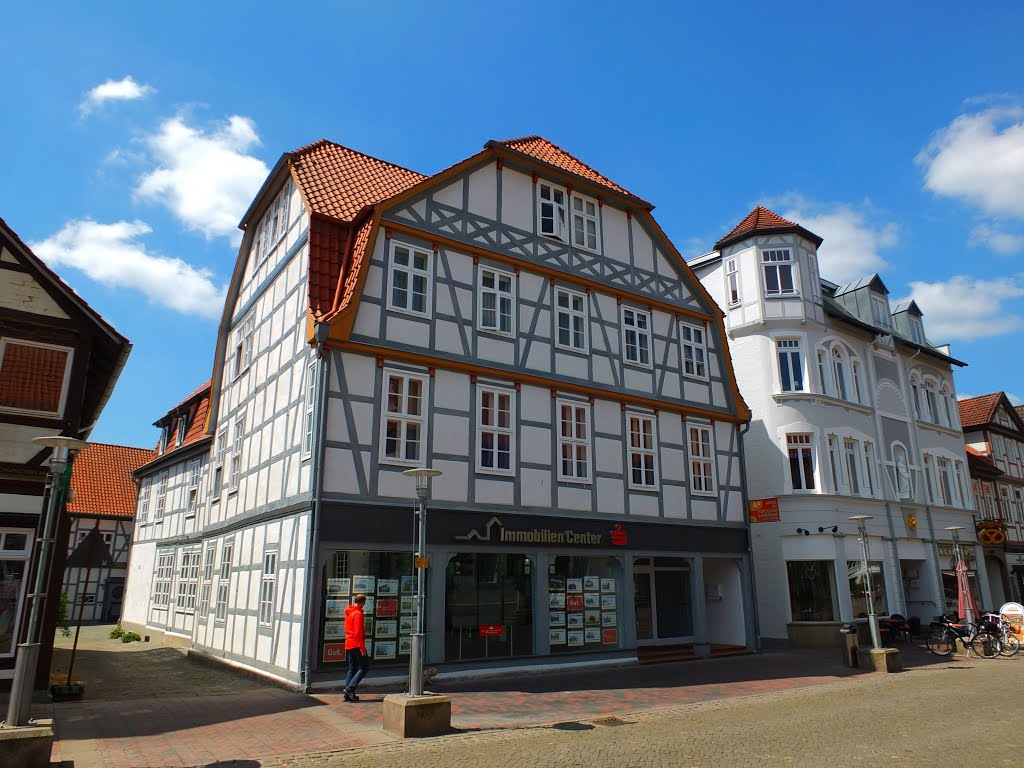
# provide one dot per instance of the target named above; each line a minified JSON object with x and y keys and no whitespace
{"x":854,"y":413}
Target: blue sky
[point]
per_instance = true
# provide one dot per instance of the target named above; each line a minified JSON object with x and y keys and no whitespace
{"x":133,"y":138}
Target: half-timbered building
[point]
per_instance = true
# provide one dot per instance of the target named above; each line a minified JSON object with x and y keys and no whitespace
{"x":101,"y":510}
{"x":853,"y":413}
{"x":519,"y":322}
{"x":59,"y":361}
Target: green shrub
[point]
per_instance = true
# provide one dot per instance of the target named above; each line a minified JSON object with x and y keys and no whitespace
{"x":116,"y":632}
{"x":62,"y":615}
{"x":130,"y":637}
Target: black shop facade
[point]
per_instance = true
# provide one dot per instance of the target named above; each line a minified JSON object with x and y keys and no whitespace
{"x":503,"y":586}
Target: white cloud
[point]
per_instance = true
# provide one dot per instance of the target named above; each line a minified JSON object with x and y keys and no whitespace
{"x":206,"y":179}
{"x":852,"y":243}
{"x":1005,"y":243}
{"x":963,"y":396}
{"x":1014,"y":400}
{"x":125,"y":89}
{"x":966,"y":308}
{"x":979,"y":158}
{"x":111,"y":254}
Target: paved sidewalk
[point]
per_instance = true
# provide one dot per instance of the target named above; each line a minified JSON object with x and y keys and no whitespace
{"x":151,"y":706}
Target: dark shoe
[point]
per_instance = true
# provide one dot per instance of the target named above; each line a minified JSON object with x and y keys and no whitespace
{"x":350,"y":696}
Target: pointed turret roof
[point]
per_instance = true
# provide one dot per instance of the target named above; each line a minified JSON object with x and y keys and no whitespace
{"x":763,"y":221}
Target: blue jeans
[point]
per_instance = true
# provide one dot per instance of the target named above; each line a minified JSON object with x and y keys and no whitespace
{"x":358,"y":665}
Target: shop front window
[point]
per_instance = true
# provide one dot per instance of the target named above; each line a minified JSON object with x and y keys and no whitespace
{"x":387,"y":580}
{"x":949,"y":590}
{"x":488,"y":607}
{"x":14,"y":553}
{"x":859,"y":588}
{"x":584,"y":603}
{"x":811,"y":590}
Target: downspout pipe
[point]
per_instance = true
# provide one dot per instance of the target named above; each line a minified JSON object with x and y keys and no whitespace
{"x":321,"y":332}
{"x":752,"y":585}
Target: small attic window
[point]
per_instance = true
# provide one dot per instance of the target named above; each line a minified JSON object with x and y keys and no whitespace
{"x":880,"y":311}
{"x":180,"y":437}
{"x":917,"y":330}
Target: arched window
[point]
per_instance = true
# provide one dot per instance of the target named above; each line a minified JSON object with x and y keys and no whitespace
{"x":839,"y":372}
{"x":915,"y":388}
{"x":858,"y":382}
{"x":932,"y":396}
{"x":948,"y":405}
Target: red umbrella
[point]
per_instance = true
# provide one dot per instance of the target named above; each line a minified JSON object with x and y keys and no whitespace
{"x":965,"y":603}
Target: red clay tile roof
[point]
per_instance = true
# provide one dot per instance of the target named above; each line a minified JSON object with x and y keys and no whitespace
{"x":194,"y":407}
{"x":101,"y":479}
{"x":32,"y":378}
{"x":339,"y":182}
{"x":540,"y":148}
{"x":1020,"y":411}
{"x":761,"y":220}
{"x":976,"y":411}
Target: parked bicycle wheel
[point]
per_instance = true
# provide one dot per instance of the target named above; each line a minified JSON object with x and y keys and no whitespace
{"x":985,"y":644}
{"x":1010,"y":645}
{"x":941,"y":642}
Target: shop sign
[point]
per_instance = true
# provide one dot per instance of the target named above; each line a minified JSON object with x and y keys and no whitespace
{"x":386,"y":608}
{"x":991,"y":532}
{"x":422,"y":562}
{"x":334,"y":652}
{"x":492,"y":630}
{"x":764,"y":510}
{"x":947,"y":550}
{"x":1013,"y":614}
{"x":574,"y":602}
{"x":495,"y":532}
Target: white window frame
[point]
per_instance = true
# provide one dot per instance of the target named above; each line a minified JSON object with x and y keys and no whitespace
{"x":640,"y":426}
{"x":188,"y":581}
{"x":701,"y":450}
{"x":929,"y":477}
{"x":917,"y":330}
{"x":145,"y":489}
{"x":835,"y":462}
{"x":946,"y":481}
{"x":838,"y":360}
{"x":559,"y":212}
{"x":192,"y":501}
{"x":22,"y":555}
{"x":220,"y":463}
{"x":852,"y":458}
{"x":773,"y":260}
{"x":69,"y":357}
{"x":504,"y":301}
{"x":572,"y":315}
{"x":273,"y":226}
{"x":245,"y":339}
{"x":574,"y":444}
{"x":785,"y":349}
{"x":880,"y":311}
{"x":581,"y":215}
{"x":224,"y":581}
{"x":161,"y":497}
{"x":310,"y":411}
{"x":163,"y":576}
{"x":404,"y":418}
{"x":268,"y":588}
{"x":209,"y":557}
{"x":693,"y":340}
{"x":495,"y":431}
{"x":870,"y":483}
{"x":238,"y":442}
{"x":803,"y":444}
{"x":733,"y":294}
{"x":857,"y":379}
{"x":411,"y":272}
{"x":179,"y":437}
{"x":642,"y":337}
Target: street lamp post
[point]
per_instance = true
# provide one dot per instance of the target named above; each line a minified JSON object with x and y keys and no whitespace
{"x":958,"y":556}
{"x":423,"y":476}
{"x":862,"y":528}
{"x":28,"y":652}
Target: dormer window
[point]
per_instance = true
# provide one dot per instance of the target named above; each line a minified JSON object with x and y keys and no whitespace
{"x":180,"y":438}
{"x":552,"y":212}
{"x":880,"y":311}
{"x":917,"y":330}
{"x":778,"y":272}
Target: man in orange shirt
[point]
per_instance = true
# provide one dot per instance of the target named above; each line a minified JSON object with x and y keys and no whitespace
{"x":355,"y":647}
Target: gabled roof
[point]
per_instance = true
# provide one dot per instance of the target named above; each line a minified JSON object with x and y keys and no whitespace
{"x":541,"y":149}
{"x":872,"y":281}
{"x":761,"y":221}
{"x":111,"y":349}
{"x":978,"y":411}
{"x":908,"y":306}
{"x":101,"y":480}
{"x":194,"y":408}
{"x":339,"y":182}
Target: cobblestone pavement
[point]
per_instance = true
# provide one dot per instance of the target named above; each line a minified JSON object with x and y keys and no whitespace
{"x":958,"y":712}
{"x":151,"y":706}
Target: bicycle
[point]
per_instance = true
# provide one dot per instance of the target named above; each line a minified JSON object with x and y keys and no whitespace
{"x":942,"y":641}
{"x":994,"y":623}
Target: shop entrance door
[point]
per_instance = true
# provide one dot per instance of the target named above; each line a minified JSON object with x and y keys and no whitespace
{"x":661,"y":599}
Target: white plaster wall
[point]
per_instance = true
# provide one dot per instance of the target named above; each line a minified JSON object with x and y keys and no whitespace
{"x":139,"y":584}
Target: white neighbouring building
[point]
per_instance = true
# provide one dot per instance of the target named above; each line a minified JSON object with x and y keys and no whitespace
{"x":519,"y":322}
{"x":853,"y":413}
